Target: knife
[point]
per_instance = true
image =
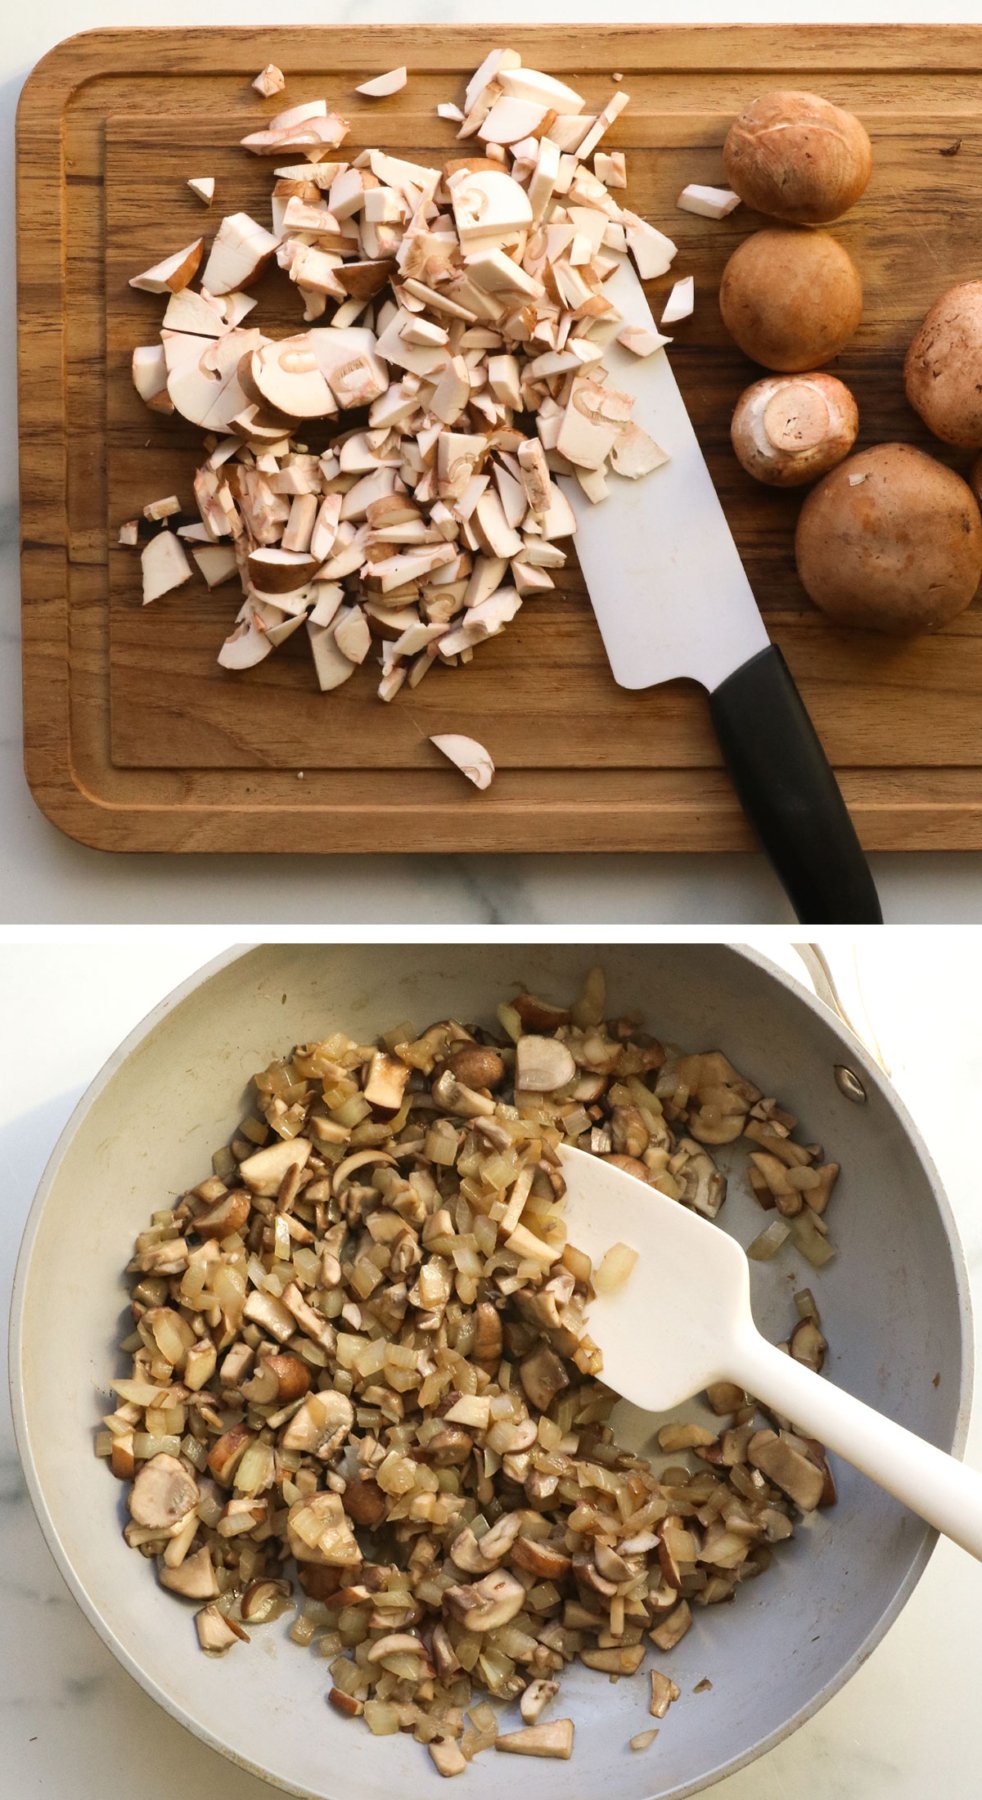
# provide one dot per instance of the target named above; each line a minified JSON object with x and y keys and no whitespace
{"x":672,"y":600}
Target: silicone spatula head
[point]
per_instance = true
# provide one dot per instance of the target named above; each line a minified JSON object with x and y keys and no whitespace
{"x":676,"y":1323}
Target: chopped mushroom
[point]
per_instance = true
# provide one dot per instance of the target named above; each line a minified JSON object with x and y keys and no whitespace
{"x":707,"y":202}
{"x":204,"y":187}
{"x":165,"y":566}
{"x":163,"y":1492}
{"x":194,"y":1578}
{"x":795,"y":1474}
{"x":536,"y":1698}
{"x":664,"y":1693}
{"x":382,"y":85}
{"x":216,"y":1633}
{"x":555,"y":1739}
{"x":470,"y":757}
{"x":680,"y":302}
{"x":542,"y":1064}
{"x":238,"y":255}
{"x":456,"y":304}
{"x":174,"y":273}
{"x":270,"y":81}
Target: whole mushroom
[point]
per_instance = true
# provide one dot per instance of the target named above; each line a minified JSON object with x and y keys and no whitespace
{"x":791,"y":299}
{"x":789,"y":429}
{"x":798,"y":158}
{"x":943,"y":370}
{"x":890,"y":541}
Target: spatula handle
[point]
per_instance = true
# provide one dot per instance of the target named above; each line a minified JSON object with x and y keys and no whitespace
{"x":790,"y":794}
{"x":934,"y":1485}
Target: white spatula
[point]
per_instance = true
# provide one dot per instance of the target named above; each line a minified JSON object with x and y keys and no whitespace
{"x":682,"y":1319}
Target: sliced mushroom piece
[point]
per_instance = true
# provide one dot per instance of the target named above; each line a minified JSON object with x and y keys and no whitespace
{"x":511,"y":119}
{"x":640,"y":341}
{"x":808,"y":1344}
{"x":681,"y":301}
{"x":701,"y":1185}
{"x":623,"y":1659}
{"x":217,"y":563}
{"x":352,"y":635}
{"x":487,"y":1605}
{"x":165,"y":566}
{"x":787,"y":1468}
{"x":536,"y":1698}
{"x":652,"y":251}
{"x":149,"y":371}
{"x":670,"y":1631}
{"x":246,"y":646}
{"x":555,"y":1739}
{"x":292,"y":1376}
{"x":488,"y":204}
{"x":664,"y":1693}
{"x":203,"y":186}
{"x":542,"y":1064}
{"x":279,"y":572}
{"x":468,"y":755}
{"x":332,"y":666}
{"x":194,"y":1577}
{"x":270,"y":81}
{"x":163,"y":1492}
{"x":203,"y":376}
{"x":725,"y":1397}
{"x":174,"y":273}
{"x":447,"y":1757}
{"x":543,"y":1376}
{"x":216,"y":1633}
{"x":465,"y":1551}
{"x":544,"y":1560}
{"x":321,"y":1425}
{"x":496,"y":1544}
{"x":386,"y":1082}
{"x":228,"y":1214}
{"x":239,"y":253}
{"x":634,"y":453}
{"x":349,"y":357}
{"x":544,"y":90}
{"x":227,"y":1452}
{"x":263,"y":1172}
{"x":287,"y":376}
{"x":707,"y":202}
{"x":382,"y":85}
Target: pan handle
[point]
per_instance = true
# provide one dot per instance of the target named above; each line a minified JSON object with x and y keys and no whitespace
{"x":841,"y":991}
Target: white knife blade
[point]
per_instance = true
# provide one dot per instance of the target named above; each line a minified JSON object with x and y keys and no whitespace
{"x":664,"y":576}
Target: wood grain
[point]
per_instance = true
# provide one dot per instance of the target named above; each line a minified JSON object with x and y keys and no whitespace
{"x":135,"y":739}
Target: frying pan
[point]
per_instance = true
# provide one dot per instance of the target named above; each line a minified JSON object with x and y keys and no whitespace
{"x":894,"y":1306}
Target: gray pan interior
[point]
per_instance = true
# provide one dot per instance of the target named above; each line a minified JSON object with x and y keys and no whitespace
{"x":894,"y":1306}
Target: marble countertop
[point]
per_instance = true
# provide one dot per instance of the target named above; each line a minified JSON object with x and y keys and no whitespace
{"x":46,"y":878}
{"x":73,"y":1724}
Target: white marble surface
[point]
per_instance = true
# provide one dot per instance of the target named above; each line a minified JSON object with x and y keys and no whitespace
{"x":73,"y":1725}
{"x":46,"y":878}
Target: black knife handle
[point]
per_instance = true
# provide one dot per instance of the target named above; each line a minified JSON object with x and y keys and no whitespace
{"x":790,"y":794}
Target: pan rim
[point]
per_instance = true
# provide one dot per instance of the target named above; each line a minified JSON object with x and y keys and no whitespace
{"x":872,"y":1075}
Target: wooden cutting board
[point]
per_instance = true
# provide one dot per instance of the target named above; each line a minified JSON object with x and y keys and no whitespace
{"x":136,"y":740}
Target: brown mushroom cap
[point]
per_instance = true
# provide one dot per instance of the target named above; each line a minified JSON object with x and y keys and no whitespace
{"x":798,"y":158}
{"x":943,"y":368}
{"x":791,"y":299}
{"x":790,"y":429}
{"x":890,"y":541}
